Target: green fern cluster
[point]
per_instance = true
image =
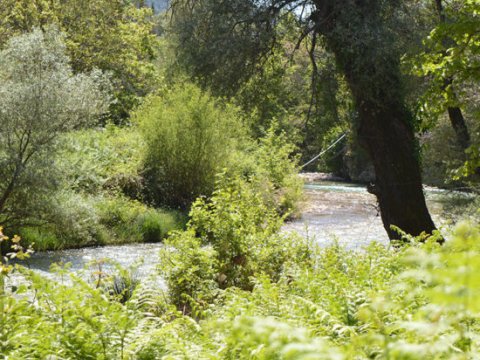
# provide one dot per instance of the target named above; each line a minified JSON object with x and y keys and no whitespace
{"x":421,"y":301}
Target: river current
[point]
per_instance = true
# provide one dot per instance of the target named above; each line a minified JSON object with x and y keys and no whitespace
{"x":331,"y":211}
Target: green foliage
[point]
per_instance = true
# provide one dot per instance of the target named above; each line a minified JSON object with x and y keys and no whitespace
{"x":189,"y":137}
{"x":112,"y":35}
{"x":220,"y":43}
{"x":415,"y":302}
{"x":99,"y":194}
{"x":442,"y":157}
{"x":82,"y":322}
{"x":40,"y":98}
{"x":332,"y":160}
{"x":190,"y":271}
{"x":230,"y":238}
{"x":451,"y":52}
{"x":76,"y":220}
{"x":449,"y":62}
{"x":107,"y":159}
{"x":132,"y":221}
{"x":276,"y":171}
{"x":279,"y":92}
{"x":73,"y":220}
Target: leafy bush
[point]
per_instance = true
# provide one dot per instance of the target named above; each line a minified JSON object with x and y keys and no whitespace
{"x":131,"y":221}
{"x":77,"y":220}
{"x":70,"y":221}
{"x":190,"y":271}
{"x":189,"y":138}
{"x":270,"y":165}
{"x":74,"y":220}
{"x":277,"y":170}
{"x":103,"y":159}
{"x":237,"y":234}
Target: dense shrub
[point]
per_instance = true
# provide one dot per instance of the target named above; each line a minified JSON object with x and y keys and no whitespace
{"x":276,"y":169}
{"x":76,"y":220}
{"x":236,"y":233}
{"x":106,"y":159}
{"x":131,"y":221}
{"x":189,"y":138}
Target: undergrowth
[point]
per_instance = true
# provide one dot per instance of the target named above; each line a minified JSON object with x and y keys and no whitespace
{"x":237,"y":289}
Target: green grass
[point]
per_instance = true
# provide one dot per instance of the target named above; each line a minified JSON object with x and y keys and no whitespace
{"x":102,"y":220}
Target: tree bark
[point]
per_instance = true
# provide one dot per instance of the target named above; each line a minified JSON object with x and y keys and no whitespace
{"x":357,"y":35}
{"x":455,"y":114}
{"x":460,"y":127}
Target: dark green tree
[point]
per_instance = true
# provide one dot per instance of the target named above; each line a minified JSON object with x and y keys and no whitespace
{"x":223,"y":42}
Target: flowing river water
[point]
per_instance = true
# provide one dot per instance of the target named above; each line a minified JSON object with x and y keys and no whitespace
{"x":332,"y":211}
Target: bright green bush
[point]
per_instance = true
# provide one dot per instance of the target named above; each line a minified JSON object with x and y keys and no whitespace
{"x":190,"y":270}
{"x":189,"y":137}
{"x":131,"y":221}
{"x":277,"y":169}
{"x":156,"y":224}
{"x":271,"y":166}
{"x":237,"y":233}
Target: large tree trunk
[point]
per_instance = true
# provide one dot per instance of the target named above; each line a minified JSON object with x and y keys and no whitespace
{"x":362,"y":43}
{"x":398,"y":186}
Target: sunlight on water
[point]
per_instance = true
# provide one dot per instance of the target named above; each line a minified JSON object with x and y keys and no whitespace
{"x":332,"y":211}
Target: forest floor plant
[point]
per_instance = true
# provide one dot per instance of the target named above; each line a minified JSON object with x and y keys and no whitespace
{"x":420,"y":301}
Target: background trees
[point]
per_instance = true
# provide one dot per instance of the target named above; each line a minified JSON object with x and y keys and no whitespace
{"x":363,"y":39}
{"x":279,"y":63}
{"x":113,"y":36}
{"x":40,"y":98}
{"x":449,"y":62}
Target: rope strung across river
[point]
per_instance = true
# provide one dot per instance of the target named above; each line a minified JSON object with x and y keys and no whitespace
{"x":324,"y":151}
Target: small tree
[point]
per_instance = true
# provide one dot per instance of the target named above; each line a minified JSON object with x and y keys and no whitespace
{"x":40,"y":98}
{"x":190,"y":137}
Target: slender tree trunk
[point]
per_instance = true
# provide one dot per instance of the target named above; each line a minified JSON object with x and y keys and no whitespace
{"x":460,"y":127}
{"x":362,"y":44}
{"x":454,"y":112}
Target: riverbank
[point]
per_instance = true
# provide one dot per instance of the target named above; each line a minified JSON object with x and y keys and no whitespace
{"x":109,"y":221}
{"x":313,"y":177}
{"x":331,"y":212}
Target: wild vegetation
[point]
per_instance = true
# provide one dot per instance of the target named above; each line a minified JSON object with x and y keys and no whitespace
{"x":123,"y":124}
{"x":417,"y":301}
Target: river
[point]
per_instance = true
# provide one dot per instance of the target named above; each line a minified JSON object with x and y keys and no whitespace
{"x":332,"y":211}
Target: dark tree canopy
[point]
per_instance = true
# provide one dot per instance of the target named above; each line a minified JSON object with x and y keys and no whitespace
{"x":224,"y":42}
